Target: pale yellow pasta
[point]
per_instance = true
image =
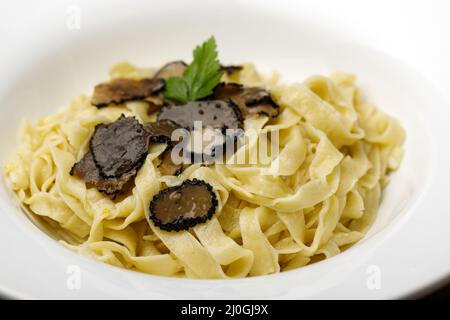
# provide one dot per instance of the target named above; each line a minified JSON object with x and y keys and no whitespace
{"x":315,"y":198}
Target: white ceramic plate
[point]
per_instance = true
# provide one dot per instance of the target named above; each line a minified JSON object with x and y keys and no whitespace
{"x":47,"y":60}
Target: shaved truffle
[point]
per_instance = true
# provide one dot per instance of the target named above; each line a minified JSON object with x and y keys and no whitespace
{"x":167,"y":167}
{"x":116,"y":152}
{"x":161,"y":131}
{"x":172,"y":69}
{"x":207,"y":146}
{"x":230,"y":69}
{"x":87,"y":171}
{"x":211,"y":113}
{"x":121,"y":90}
{"x":155,"y":103}
{"x":219,"y":120}
{"x":250,"y":101}
{"x":227,"y":90}
{"x":119,"y":147}
{"x":181,"y":207}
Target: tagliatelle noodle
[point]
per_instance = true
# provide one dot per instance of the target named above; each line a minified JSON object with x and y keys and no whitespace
{"x":317,"y":196}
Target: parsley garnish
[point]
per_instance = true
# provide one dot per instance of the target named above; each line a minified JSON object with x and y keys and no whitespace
{"x":200,"y":77}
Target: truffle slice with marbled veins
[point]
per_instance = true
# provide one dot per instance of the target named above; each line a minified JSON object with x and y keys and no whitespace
{"x":161,"y":131}
{"x":168,"y":167}
{"x":209,"y":113}
{"x":121,"y":90}
{"x":184,"y":206}
{"x":251,"y":100}
{"x":171,"y":69}
{"x":119,"y":147}
{"x":116,"y":152}
{"x":87,"y":171}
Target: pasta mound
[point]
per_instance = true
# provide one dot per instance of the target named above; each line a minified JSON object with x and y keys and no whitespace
{"x":336,"y":152}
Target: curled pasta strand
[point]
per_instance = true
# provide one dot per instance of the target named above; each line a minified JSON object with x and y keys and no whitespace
{"x":313,"y":199}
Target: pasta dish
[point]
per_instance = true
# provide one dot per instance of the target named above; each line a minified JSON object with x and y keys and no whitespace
{"x":210,"y":171}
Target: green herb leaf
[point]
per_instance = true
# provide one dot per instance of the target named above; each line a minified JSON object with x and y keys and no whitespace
{"x":177,"y":89}
{"x":199,"y":78}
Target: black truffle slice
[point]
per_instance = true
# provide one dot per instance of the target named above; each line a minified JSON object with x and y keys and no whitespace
{"x":220,"y":121}
{"x":154,"y":104}
{"x":119,"y":147}
{"x":86,"y":170}
{"x":181,"y":207}
{"x":250,"y":101}
{"x":168,"y":167}
{"x":207,"y":146}
{"x":227,"y":90}
{"x":230,"y":69}
{"x":161,"y":131}
{"x":172,"y":69}
{"x":121,"y":90}
{"x":212,"y":113}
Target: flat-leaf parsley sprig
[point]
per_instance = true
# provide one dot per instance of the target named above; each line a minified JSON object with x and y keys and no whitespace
{"x":200,"y":77}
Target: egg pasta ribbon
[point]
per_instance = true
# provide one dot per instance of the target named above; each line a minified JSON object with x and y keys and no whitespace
{"x":315,"y":198}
